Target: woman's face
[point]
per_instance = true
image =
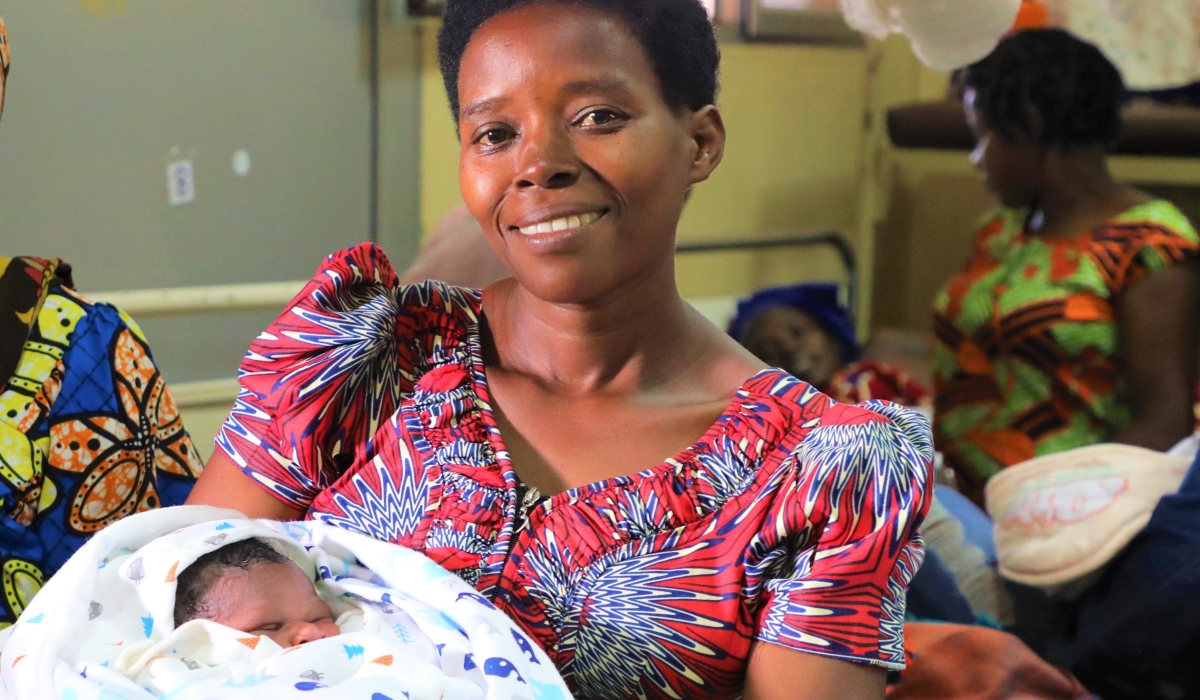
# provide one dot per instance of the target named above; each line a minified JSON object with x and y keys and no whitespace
{"x":571,"y":160}
{"x":1012,"y":168}
{"x":791,"y":340}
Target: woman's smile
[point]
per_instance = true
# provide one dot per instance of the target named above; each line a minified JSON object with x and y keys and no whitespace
{"x":557,"y":230}
{"x":559,"y":224}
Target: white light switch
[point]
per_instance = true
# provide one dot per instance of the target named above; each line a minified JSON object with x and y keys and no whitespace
{"x":181,"y":182}
{"x":241,"y":163}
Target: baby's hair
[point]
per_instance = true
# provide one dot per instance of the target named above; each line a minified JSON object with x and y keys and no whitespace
{"x":197,"y":580}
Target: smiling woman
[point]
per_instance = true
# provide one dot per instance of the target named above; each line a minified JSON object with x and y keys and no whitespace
{"x":711,"y":527}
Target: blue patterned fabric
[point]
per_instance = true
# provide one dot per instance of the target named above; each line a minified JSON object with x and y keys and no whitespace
{"x":88,"y":434}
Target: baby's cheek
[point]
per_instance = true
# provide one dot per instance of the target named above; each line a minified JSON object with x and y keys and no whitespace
{"x":328,"y":628}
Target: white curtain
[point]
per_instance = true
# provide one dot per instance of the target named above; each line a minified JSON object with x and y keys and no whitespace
{"x":945,"y":34}
{"x":1155,"y":43}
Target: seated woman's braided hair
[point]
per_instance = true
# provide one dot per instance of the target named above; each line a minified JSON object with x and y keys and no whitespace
{"x":1074,"y":88}
{"x":676,"y":34}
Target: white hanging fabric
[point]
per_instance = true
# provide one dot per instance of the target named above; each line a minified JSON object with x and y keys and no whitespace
{"x":1154,"y":43}
{"x":945,"y":34}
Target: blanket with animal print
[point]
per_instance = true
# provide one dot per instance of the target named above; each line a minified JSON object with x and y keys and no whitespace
{"x":103,"y":626}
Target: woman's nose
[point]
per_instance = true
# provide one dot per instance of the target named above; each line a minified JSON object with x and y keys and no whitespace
{"x":306,"y":632}
{"x":548,"y":160}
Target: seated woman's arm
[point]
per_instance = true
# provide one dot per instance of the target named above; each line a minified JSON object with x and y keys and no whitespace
{"x":779,"y":673}
{"x":1159,"y":317}
{"x":224,"y":485}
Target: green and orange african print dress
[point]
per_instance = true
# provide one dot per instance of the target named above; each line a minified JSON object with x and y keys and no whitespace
{"x":1028,"y":356}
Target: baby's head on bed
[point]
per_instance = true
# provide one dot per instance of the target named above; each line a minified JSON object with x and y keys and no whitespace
{"x":251,"y":587}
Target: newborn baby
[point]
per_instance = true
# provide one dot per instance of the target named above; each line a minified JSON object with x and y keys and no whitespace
{"x":156,"y":606}
{"x":251,"y":587}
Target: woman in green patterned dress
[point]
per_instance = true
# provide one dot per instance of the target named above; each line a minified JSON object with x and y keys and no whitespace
{"x":1075,"y":320}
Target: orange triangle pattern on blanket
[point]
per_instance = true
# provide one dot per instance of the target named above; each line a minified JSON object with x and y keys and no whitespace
{"x":251,"y":642}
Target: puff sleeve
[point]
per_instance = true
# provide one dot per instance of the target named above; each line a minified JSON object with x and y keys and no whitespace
{"x":318,"y":382}
{"x":847,"y":519}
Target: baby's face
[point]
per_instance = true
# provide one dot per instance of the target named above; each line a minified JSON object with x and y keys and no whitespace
{"x":272,"y":600}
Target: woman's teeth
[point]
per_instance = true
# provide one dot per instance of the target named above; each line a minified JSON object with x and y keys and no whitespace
{"x":564,"y":224}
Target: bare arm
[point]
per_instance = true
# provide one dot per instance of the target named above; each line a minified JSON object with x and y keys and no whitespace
{"x":222,"y":484}
{"x":779,"y":673}
{"x":1159,"y":321}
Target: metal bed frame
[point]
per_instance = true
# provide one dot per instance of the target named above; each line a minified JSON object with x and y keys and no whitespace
{"x":832,"y":239}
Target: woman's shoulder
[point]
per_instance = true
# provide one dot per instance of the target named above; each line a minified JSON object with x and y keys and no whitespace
{"x":873,"y":434}
{"x":1161,"y":214}
{"x":358,"y":288}
{"x":1158,"y":225}
{"x":1142,"y":240}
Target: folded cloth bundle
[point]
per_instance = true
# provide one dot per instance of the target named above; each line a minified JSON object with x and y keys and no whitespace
{"x":104,"y":625}
{"x":1064,"y":516}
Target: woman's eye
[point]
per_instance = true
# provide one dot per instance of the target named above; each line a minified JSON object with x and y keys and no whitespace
{"x":493,"y":137}
{"x":599,"y":117}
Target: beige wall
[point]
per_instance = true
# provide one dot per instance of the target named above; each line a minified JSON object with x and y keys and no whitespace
{"x":936,"y":200}
{"x":795,"y":120}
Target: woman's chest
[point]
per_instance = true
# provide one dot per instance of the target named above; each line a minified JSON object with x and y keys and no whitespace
{"x":555,"y":444}
{"x":1034,"y":291}
{"x":631,"y":583}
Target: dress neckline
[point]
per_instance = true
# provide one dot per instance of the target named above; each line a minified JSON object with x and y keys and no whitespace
{"x":1132,"y":213}
{"x":481,"y":393}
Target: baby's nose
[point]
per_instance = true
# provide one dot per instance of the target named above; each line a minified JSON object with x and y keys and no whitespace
{"x":312,"y":631}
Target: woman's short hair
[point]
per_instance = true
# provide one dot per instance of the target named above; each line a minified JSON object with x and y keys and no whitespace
{"x":676,"y":34}
{"x":1076,"y":90}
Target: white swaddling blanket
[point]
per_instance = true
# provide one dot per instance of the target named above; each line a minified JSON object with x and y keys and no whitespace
{"x":103,"y":627}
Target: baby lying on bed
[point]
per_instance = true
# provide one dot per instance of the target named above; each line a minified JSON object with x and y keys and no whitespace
{"x":195,"y":602}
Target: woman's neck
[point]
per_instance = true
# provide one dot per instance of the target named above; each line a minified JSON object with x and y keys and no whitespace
{"x":628,"y":342}
{"x":1079,"y":194}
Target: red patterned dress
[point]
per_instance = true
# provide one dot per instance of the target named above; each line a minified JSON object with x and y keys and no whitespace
{"x":793,"y":520}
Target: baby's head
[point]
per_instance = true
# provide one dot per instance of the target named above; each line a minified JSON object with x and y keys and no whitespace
{"x":251,"y":587}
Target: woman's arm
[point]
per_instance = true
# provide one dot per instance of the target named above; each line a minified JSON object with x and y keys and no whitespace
{"x":779,"y":673}
{"x":1159,"y":321}
{"x":223,"y":485}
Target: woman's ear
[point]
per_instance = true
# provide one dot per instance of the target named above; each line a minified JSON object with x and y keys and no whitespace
{"x":707,"y":132}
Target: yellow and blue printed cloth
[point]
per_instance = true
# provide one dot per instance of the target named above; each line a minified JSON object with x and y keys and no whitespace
{"x":88,"y":431}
